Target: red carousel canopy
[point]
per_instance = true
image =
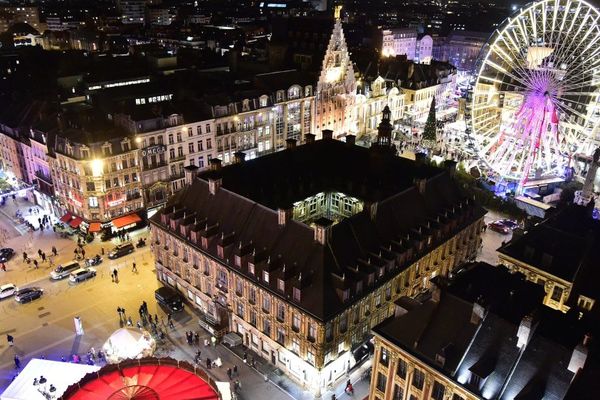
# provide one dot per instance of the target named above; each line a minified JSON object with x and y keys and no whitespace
{"x":145,"y":379}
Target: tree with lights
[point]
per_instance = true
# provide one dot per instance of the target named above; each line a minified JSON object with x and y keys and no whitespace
{"x":429,"y":134}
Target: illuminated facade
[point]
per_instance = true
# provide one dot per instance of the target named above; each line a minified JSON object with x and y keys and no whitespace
{"x":560,"y":254}
{"x":451,"y":347}
{"x":258,"y":126}
{"x":291,"y":261}
{"x":97,"y":180}
{"x":336,"y":87}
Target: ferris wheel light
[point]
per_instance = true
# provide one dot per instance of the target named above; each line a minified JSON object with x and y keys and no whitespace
{"x":535,"y":99}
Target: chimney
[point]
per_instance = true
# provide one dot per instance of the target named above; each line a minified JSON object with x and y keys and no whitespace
{"x":525,"y":331}
{"x":215,"y":164}
{"x":290,"y":144}
{"x":477,"y":314}
{"x":580,"y":353}
{"x":450,"y":166}
{"x":322,"y":230}
{"x":214,"y":184}
{"x":239,"y":157}
{"x":351,"y":139}
{"x":190,"y":173}
{"x":309,"y":138}
{"x":284,"y":215}
{"x":421,"y":184}
{"x":327,"y":134}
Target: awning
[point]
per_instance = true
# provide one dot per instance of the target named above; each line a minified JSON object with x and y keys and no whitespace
{"x":126,"y":220}
{"x":95,"y":227}
{"x":66,"y":218}
{"x":75,"y":222}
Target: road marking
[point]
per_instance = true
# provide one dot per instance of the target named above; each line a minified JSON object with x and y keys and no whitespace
{"x":44,"y":314}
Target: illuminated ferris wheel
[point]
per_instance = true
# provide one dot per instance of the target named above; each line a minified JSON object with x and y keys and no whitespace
{"x":535,"y":102}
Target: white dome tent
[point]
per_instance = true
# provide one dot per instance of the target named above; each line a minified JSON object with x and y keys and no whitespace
{"x":126,"y":343}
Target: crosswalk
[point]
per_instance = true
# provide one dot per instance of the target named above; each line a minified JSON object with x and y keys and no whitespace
{"x":22,"y":229}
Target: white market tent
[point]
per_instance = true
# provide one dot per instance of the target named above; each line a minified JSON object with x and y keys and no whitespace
{"x":128,"y":343}
{"x":60,"y":374}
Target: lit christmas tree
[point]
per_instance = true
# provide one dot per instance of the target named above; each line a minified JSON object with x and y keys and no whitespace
{"x":429,"y":134}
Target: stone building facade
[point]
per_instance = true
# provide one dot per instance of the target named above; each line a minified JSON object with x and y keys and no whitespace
{"x":271,"y":257}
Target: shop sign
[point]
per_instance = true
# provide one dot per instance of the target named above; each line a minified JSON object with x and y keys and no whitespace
{"x":157,"y":149}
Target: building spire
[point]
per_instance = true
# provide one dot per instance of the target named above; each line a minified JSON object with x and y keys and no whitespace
{"x":337,"y":14}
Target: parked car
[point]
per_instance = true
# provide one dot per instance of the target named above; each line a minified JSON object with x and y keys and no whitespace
{"x":499,"y":227}
{"x":28,"y":294}
{"x":63,"y":270}
{"x":7,"y":290}
{"x":6,"y":254}
{"x":121,"y":250}
{"x":169,"y":298}
{"x":509,"y":223}
{"x":82,"y":274}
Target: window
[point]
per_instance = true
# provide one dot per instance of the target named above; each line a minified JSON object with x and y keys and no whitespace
{"x":200,"y":145}
{"x":312,"y":332}
{"x":240,"y":309}
{"x":398,"y":392}
{"x":328,"y":333}
{"x":251,"y":268}
{"x":171,"y":138}
{"x":171,"y":153}
{"x":178,"y":137}
{"x":344,"y":323}
{"x":281,"y":285}
{"x":252,"y":295}
{"x":295,"y":345}
{"x":208,"y":144}
{"x":281,"y":335}
{"x":190,"y":132}
{"x":281,"y":312}
{"x":457,"y":397}
{"x":381,"y":382}
{"x":199,"y":130}
{"x":418,"y":379}
{"x":438,"y":391}
{"x":557,"y":293}
{"x":310,"y":357}
{"x":239,"y":286}
{"x":93,"y":202}
{"x":401,"y":370}
{"x":191,"y":147}
{"x":267,"y":327}
{"x":266,"y":305}
{"x":90,"y":186}
{"x":384,"y":357}
{"x":266,"y":276}
{"x":207,"y":129}
{"x":252,"y":318}
{"x":180,"y":151}
{"x":297,"y":296}
{"x":206,"y":267}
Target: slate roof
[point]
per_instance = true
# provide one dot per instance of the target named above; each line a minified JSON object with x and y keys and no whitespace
{"x":488,"y":348}
{"x":245,"y":210}
{"x":564,"y":245}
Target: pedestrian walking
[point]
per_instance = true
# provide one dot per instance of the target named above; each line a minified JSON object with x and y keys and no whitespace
{"x":10,"y":340}
{"x":40,"y":253}
{"x":208,"y":363}
{"x":54,"y":251}
{"x":102,"y":250}
{"x":24,"y":257}
{"x":116,"y":274}
{"x":43,"y":257}
{"x":229,"y":373}
{"x":139,"y":325}
{"x":245,"y":357}
{"x":235,"y":370}
{"x":197,"y":339}
{"x":35,"y":264}
{"x":17,"y":362}
{"x":145,"y":307}
{"x":82,"y":252}
{"x":129,"y":321}
{"x":134,"y":269}
{"x":112,"y":276}
{"x":156,"y":319}
{"x":3,"y":267}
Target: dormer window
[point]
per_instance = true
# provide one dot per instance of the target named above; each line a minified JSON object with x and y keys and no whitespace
{"x":238,"y":261}
{"x":279,"y":95}
{"x":346,"y":295}
{"x":266,"y":276}
{"x":297,"y":294}
{"x":359,"y":287}
{"x":308,"y":91}
{"x":85,"y":153}
{"x":281,"y":285}
{"x":106,"y":149}
{"x":263,"y":101}
{"x":125,"y":145}
{"x":370,"y":279}
{"x":251,"y":268}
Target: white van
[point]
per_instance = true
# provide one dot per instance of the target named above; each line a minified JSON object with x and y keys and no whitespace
{"x":63,"y":271}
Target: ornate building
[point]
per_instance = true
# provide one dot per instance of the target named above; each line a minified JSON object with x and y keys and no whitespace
{"x":486,"y":336}
{"x":301,"y":252}
{"x":560,"y":253}
{"x":336,"y":88}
